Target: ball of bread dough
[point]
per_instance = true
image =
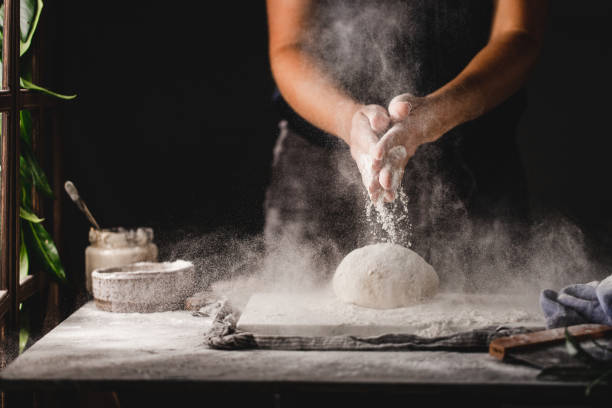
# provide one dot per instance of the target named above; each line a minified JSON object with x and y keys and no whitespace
{"x":384,"y":276}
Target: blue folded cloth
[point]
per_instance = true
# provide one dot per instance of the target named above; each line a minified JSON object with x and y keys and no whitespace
{"x":577,"y":304}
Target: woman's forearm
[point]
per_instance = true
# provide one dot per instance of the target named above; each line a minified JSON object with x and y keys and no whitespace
{"x":310,"y":93}
{"x":492,"y":76}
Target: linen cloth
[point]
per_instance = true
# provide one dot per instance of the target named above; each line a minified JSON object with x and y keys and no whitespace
{"x":225,"y":336}
{"x":577,"y":304}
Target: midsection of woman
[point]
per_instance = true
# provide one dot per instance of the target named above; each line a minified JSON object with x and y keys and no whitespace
{"x":458,"y":184}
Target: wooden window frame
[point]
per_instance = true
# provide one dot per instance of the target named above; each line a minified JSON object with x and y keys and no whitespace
{"x":13,"y":99}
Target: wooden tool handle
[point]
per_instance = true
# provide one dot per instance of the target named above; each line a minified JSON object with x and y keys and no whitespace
{"x":500,"y":347}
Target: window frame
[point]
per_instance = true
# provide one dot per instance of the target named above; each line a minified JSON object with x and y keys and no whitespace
{"x":13,"y":99}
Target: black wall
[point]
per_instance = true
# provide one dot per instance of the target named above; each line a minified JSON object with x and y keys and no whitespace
{"x":173,"y":126}
{"x":172,"y":120}
{"x":564,"y":135}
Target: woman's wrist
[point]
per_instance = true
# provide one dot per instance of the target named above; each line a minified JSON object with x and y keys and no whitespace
{"x":449,"y":108}
{"x":346,"y":114}
{"x":437,"y":116}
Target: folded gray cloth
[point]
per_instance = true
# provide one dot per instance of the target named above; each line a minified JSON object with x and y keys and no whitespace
{"x":223,"y":335}
{"x":577,"y":304}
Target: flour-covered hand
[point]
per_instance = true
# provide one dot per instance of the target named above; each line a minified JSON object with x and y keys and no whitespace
{"x":368,"y":123}
{"x":413,"y":119}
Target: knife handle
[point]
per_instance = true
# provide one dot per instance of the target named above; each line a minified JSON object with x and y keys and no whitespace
{"x":499,"y":348}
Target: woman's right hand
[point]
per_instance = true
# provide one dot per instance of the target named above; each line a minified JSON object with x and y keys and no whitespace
{"x":368,"y":123}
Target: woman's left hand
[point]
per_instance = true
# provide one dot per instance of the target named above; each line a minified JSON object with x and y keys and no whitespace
{"x":414,"y":123}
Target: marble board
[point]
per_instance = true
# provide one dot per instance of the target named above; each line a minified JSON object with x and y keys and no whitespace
{"x":320,"y":313}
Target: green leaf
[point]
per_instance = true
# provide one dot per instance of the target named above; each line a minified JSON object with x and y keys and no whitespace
{"x":29,"y":14}
{"x":24,"y":262}
{"x":38,"y":176}
{"x":599,"y":380}
{"x":24,"y":336}
{"x":42,"y":244}
{"x":25,"y":127}
{"x":26,"y":195}
{"x":24,"y":171}
{"x":570,"y":344}
{"x":27,"y":215}
{"x":32,"y":173}
{"x":29,"y":85}
{"x":24,"y":329}
{"x":30,"y":170}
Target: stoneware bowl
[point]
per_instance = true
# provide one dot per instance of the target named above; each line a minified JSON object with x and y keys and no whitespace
{"x":144,"y":286}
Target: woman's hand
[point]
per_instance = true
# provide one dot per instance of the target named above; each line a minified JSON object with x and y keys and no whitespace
{"x":414,"y":122}
{"x":368,"y":123}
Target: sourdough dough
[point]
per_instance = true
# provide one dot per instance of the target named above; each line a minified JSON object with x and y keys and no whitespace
{"x":384,"y":276}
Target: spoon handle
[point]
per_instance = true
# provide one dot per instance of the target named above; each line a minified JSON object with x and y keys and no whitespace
{"x":74,"y":195}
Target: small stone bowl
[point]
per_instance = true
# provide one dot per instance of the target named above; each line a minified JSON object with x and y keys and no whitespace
{"x":144,"y":287}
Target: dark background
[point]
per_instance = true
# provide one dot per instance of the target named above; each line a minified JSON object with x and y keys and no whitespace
{"x":173,"y":126}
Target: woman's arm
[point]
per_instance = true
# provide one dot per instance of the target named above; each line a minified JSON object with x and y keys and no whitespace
{"x":300,"y":82}
{"x":501,"y":67}
{"x":492,"y":76}
{"x":311,"y":94}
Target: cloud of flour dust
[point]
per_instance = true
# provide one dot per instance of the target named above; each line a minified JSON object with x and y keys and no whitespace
{"x":359,"y":46}
{"x":235,"y":267}
{"x":493,"y":257}
{"x":377,"y":50}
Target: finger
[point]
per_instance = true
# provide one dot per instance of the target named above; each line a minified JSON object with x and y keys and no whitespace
{"x":374,"y":187}
{"x":390,"y":176}
{"x":378,"y":118}
{"x":389,"y":196}
{"x":385,"y":177}
{"x":399,"y":108}
{"x":375,"y":190}
{"x":377,"y":165}
{"x":369,"y":178}
{"x":376,"y":193}
{"x":388,"y":141}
